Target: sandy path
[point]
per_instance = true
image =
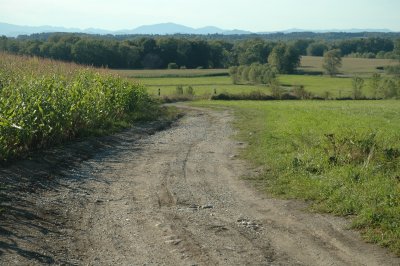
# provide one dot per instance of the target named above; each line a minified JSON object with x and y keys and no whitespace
{"x":176,"y":198}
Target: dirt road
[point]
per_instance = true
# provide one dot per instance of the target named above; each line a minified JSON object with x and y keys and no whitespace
{"x":174,"y":197}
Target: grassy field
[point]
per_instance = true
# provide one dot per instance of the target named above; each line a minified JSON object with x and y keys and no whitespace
{"x":342,"y":156}
{"x":350,"y":66}
{"x":308,"y":64}
{"x":318,"y":85}
{"x":205,"y":81}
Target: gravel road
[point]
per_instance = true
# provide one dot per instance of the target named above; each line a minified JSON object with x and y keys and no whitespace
{"x":169,"y":197}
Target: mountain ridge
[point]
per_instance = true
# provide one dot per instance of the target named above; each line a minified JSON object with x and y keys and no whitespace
{"x":169,"y":28}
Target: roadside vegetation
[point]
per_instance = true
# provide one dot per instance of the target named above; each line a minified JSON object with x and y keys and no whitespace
{"x":43,"y":102}
{"x":344,"y":157}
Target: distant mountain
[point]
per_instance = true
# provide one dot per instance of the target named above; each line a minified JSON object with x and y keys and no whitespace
{"x":173,"y":28}
{"x":161,"y":29}
{"x":292,"y":30}
{"x":11,"y":30}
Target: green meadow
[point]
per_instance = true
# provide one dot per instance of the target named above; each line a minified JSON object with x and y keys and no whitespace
{"x":318,"y":85}
{"x":206,"y":81}
{"x":350,"y":66}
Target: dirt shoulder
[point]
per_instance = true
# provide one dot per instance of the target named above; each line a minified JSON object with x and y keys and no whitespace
{"x":171,"y":197}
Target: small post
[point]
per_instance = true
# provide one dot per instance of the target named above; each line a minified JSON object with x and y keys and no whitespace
{"x":215,"y":91}
{"x":159,"y":92}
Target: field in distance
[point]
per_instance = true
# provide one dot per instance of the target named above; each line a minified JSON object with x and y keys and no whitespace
{"x":350,"y":66}
{"x":308,"y":64}
{"x":208,"y":81}
{"x":167,"y":73}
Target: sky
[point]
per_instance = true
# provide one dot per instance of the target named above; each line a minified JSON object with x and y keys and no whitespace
{"x":252,"y":15}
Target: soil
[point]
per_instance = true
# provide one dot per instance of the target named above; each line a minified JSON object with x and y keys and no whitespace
{"x":161,"y":194}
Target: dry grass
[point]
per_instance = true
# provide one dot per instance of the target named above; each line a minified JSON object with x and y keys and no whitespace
{"x":350,"y":66}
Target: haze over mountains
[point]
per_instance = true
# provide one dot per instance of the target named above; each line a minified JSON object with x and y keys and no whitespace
{"x":11,"y":30}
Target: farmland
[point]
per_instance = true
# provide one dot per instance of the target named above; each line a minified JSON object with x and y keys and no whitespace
{"x":338,"y":157}
{"x":344,"y":156}
{"x":351,"y":66}
{"x":206,"y":81}
{"x":43,"y":102}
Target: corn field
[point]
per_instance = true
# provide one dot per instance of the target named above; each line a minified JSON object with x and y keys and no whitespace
{"x":44,"y":102}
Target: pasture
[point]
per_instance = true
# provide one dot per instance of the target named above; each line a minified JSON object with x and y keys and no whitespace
{"x":342,"y":156}
{"x":206,"y":81}
{"x":205,"y":86}
{"x":350,"y":66}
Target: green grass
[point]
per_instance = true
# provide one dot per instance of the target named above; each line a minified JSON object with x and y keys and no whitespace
{"x":350,"y":66}
{"x":344,"y":157}
{"x":204,"y":82}
{"x":318,"y":85}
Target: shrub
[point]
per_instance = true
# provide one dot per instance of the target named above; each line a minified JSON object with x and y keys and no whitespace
{"x":190,"y":91}
{"x":179,"y":90}
{"x":358,"y":84}
{"x":173,"y":66}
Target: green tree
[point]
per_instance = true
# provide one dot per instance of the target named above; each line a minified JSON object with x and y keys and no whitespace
{"x":233,"y":72}
{"x":173,"y":66}
{"x":332,"y":62}
{"x":255,"y":73}
{"x":284,"y":58}
{"x":358,"y":84}
{"x":245,"y":73}
{"x":276,"y":90}
{"x":375,"y":84}
{"x":179,"y":90}
{"x":317,"y":49}
{"x":396,"y":49}
{"x":390,"y":89}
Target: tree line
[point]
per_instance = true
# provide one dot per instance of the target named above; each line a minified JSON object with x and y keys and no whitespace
{"x":159,"y":52}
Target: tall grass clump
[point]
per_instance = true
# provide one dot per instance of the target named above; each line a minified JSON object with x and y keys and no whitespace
{"x":43,"y":102}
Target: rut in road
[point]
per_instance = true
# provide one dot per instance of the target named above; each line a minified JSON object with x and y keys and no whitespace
{"x":176,"y":198}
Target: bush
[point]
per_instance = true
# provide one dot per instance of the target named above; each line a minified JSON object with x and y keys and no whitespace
{"x":358,"y":84}
{"x":179,"y":90}
{"x":173,"y":66}
{"x":256,"y":95}
{"x":301,"y":93}
{"x":255,"y":73}
{"x":190,"y":91}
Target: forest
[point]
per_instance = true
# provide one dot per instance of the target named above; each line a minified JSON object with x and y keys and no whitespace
{"x":160,"y":52}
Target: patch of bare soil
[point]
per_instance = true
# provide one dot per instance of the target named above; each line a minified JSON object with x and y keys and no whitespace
{"x":170,"y":197}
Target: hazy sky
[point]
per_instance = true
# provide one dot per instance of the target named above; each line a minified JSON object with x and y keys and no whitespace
{"x":253,"y":15}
